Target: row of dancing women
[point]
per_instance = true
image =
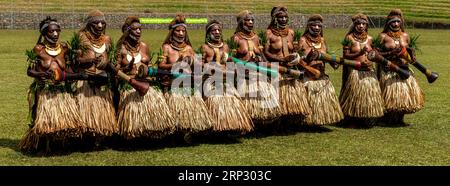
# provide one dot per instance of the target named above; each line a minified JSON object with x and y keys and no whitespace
{"x":90,"y":87}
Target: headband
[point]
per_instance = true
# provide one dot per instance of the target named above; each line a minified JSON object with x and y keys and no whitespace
{"x":95,"y":18}
{"x":360,"y":20}
{"x":394,"y":19}
{"x":244,"y":15}
{"x":47,"y":24}
{"x":179,"y":24}
{"x":129,"y":27}
{"x":207,"y":28}
{"x":279,"y":10}
{"x":315,"y":22}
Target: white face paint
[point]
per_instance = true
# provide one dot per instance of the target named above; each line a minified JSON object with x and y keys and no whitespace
{"x":248,"y":23}
{"x":395,"y":25}
{"x":360,"y":25}
{"x":52,"y":34}
{"x":179,"y":34}
{"x":282,"y":19}
{"x":215,"y":33}
{"x":135,"y":31}
{"x":315,"y":29}
{"x":97,"y":27}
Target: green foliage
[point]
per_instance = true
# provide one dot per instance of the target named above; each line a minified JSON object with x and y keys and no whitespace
{"x":377,"y":43}
{"x":262,"y":38}
{"x":198,"y":50}
{"x":297,"y":35}
{"x":152,"y":56}
{"x":31,"y":56}
{"x":413,"y":43}
{"x":346,"y":42}
{"x":74,"y":45}
{"x":159,"y":57}
{"x":112,"y":53}
{"x":232,"y":45}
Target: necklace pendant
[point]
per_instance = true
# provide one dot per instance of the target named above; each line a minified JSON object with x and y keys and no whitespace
{"x":53,"y":51}
{"x":99,"y":50}
{"x":137,"y":58}
{"x":397,"y":42}
{"x":317,"y":45}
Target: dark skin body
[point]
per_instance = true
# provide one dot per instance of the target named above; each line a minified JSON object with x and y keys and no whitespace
{"x":358,"y":50}
{"x":208,"y":52}
{"x":47,"y":63}
{"x":131,"y":66}
{"x":391,"y":48}
{"x":242,"y":51}
{"x":273,"y":49}
{"x":88,"y":59}
{"x":173,"y":56}
{"x":306,"y":47}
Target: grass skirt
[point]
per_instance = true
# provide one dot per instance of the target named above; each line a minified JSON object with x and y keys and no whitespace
{"x":97,"y":110}
{"x":189,"y":110}
{"x":227,"y":110}
{"x":324,"y":103}
{"x":293,"y":99}
{"x":260,"y":99}
{"x":361,"y":97}
{"x":401,"y":96}
{"x":57,"y":118}
{"x":144,"y":116}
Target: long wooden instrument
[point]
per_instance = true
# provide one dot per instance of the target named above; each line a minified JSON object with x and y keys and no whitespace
{"x":376,"y":57}
{"x":408,"y":55}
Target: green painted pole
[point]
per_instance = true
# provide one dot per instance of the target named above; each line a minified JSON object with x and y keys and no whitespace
{"x":255,"y":67}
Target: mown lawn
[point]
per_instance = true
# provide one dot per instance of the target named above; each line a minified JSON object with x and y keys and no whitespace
{"x":415,"y":10}
{"x":425,"y":142}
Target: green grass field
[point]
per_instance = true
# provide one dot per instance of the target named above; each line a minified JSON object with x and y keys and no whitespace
{"x":425,"y":142}
{"x":415,"y":10}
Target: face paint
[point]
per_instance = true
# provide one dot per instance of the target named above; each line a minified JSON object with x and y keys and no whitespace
{"x":179,"y":34}
{"x":135,"y":31}
{"x":52,"y":34}
{"x":97,"y":27}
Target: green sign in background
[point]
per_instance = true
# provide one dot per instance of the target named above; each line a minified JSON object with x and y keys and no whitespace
{"x":146,"y":20}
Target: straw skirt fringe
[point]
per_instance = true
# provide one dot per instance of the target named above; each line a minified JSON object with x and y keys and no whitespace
{"x":190,"y":112}
{"x":145,"y":116}
{"x":361,"y":96}
{"x":401,"y":96}
{"x":57,"y":118}
{"x":324,"y":103}
{"x":97,"y":110}
{"x":293,"y":99}
{"x":260,"y":99}
{"x":227,"y":110}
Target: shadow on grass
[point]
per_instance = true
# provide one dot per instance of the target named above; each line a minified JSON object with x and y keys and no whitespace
{"x":66,"y":147}
{"x":356,"y":123}
{"x":96,"y":144}
{"x":393,"y":125}
{"x":10,"y":143}
{"x":219,"y":138}
{"x":285,"y":127}
{"x":89,"y":143}
{"x":368,"y":123}
{"x":177,"y":139}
